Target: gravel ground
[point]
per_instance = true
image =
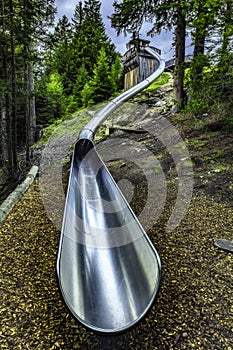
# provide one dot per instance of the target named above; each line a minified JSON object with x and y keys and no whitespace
{"x":193,"y":309}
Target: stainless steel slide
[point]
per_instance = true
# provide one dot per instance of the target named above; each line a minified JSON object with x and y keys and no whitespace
{"x":108,"y":270}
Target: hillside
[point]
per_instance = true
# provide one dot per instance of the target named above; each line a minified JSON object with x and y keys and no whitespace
{"x":193,"y":309}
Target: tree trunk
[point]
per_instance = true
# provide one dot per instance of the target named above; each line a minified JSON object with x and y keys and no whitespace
{"x":198,"y":62}
{"x":13,"y":89}
{"x":6,"y":117}
{"x":199,"y":44}
{"x":4,"y":138}
{"x":227,"y":31}
{"x":3,"y":134}
{"x":30,"y":110}
{"x":179,"y":60}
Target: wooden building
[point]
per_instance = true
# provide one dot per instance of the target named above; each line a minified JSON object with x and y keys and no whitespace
{"x":137,"y":63}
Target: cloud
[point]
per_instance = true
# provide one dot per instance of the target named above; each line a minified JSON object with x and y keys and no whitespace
{"x":65,"y":8}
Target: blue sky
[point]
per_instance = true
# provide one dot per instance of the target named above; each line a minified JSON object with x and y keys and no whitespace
{"x":162,"y":41}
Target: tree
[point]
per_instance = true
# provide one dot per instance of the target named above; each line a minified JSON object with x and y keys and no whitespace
{"x":203,"y":17}
{"x":86,"y":95}
{"x":78,"y":16}
{"x":6,"y":140}
{"x":8,"y":91}
{"x":90,"y":36}
{"x":61,"y":58}
{"x":211,"y":68}
{"x":180,"y":34}
{"x":75,"y":48}
{"x":116,"y":75}
{"x":99,"y":88}
{"x":101,"y":83}
{"x":55,"y":96}
{"x":36,"y":16}
{"x":13,"y":87}
{"x":225,"y":30}
{"x":81,"y":80}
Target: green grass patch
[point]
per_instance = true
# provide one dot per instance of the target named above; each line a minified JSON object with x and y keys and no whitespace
{"x":196,"y":143}
{"x":218,"y":168}
{"x":213,"y":156}
{"x":161,"y":80}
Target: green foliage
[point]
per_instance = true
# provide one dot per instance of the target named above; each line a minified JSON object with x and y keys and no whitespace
{"x":197,"y":143}
{"x":89,"y":37}
{"x":213,"y":89}
{"x":209,"y":82}
{"x":56,"y":99}
{"x":116,"y":75}
{"x":50,"y":99}
{"x":87,"y":94}
{"x":101,"y":85}
{"x":104,"y":83}
{"x":81,"y":80}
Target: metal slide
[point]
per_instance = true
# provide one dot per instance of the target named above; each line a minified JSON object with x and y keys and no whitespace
{"x":108,"y":270}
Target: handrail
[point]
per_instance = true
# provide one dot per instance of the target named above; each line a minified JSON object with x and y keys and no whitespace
{"x":90,"y":128}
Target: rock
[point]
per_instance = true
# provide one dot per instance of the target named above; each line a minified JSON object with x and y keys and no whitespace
{"x":160,"y":103}
{"x":184,"y":334}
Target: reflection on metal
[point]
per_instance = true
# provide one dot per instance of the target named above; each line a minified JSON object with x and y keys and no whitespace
{"x":108,"y":270}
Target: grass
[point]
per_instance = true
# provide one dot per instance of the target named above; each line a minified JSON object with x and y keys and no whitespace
{"x":196,"y":143}
{"x":161,"y":80}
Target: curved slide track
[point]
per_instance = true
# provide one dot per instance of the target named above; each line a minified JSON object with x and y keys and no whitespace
{"x":108,"y":270}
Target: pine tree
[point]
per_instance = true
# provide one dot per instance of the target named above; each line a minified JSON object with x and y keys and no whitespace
{"x":82,"y":46}
{"x":213,"y":33}
{"x":180,"y":34}
{"x":202,"y":19}
{"x":55,"y":96}
{"x":99,"y":88}
{"x":82,"y":79}
{"x":93,"y":36}
{"x":62,"y":60}
{"x":116,"y":75}
{"x":78,"y":17}
{"x":101,"y":83}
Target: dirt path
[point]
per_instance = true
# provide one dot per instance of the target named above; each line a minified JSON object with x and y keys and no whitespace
{"x":194,"y":307}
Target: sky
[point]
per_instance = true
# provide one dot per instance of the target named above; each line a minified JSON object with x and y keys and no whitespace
{"x":162,"y":41}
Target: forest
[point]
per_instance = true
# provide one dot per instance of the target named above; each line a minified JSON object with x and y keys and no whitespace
{"x":50,"y":69}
